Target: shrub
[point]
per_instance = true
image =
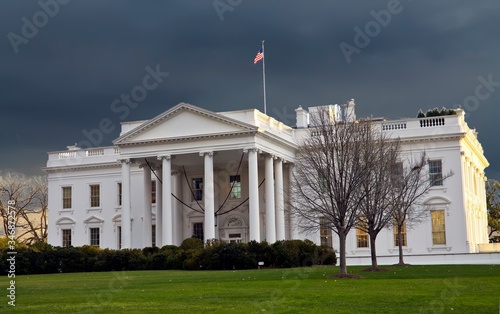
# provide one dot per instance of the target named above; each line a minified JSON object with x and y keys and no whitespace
{"x":192,"y":243}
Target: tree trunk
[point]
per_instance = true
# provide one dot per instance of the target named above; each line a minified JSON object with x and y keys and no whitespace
{"x":373,"y":251}
{"x":342,"y":250}
{"x":400,"y":246}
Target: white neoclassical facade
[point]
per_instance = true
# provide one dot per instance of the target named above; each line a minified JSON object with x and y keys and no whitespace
{"x":192,"y":172}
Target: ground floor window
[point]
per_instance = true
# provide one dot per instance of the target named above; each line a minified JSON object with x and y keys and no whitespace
{"x":325,"y":232}
{"x":66,"y":237}
{"x":94,"y":236}
{"x":403,"y":234}
{"x":438,"y":227}
{"x":234,"y":237}
{"x":198,"y":230}
{"x":361,"y":234}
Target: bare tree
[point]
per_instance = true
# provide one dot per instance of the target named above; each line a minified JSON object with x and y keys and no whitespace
{"x":30,"y":195}
{"x":328,"y":175}
{"x":376,"y":210}
{"x":409,"y":189}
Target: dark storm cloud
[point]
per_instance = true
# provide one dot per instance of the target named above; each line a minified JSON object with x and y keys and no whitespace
{"x":64,"y":79}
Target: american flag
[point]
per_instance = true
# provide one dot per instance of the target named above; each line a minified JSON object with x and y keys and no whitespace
{"x":259,"y":56}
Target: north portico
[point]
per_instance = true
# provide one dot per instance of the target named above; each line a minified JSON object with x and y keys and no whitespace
{"x":221,"y":172}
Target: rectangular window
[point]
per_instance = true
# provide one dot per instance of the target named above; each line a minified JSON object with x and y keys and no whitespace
{"x":322,"y":181}
{"x":438,"y":227}
{"x":361,"y":235}
{"x":197,"y":186}
{"x":95,"y":195}
{"x":235,"y":185}
{"x":94,"y":236}
{"x":403,"y":234}
{"x":234,"y":238}
{"x":198,"y":230}
{"x":435,"y":172}
{"x":153,"y":235}
{"x":66,"y":191}
{"x":119,"y":194}
{"x":325,"y":232}
{"x":119,"y":240}
{"x":66,"y":237}
{"x":153,"y":192}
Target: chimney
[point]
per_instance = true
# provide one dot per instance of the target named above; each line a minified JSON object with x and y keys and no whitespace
{"x":350,"y":114}
{"x":301,"y":117}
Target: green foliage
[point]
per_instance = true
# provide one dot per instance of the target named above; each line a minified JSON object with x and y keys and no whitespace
{"x":436,"y":112}
{"x":192,"y":243}
{"x":191,"y":255}
{"x":493,"y":206}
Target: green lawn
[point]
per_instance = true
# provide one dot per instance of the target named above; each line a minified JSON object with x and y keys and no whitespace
{"x":413,"y":289}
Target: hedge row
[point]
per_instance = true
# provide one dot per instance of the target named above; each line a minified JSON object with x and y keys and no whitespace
{"x":191,"y":255}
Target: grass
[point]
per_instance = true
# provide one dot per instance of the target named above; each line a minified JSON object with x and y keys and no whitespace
{"x":412,"y":289}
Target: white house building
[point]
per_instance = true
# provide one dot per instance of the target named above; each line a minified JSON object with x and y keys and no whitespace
{"x":192,"y":172}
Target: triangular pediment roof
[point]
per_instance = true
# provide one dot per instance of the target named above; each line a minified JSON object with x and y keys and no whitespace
{"x":184,"y":121}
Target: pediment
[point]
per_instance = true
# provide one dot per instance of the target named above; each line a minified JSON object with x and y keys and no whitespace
{"x":93,"y":220}
{"x":437,"y":200}
{"x":65,"y":221}
{"x":182,"y":122}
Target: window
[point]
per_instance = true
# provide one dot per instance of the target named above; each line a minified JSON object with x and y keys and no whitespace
{"x":153,"y":192}
{"x":361,"y":235}
{"x":438,"y":227}
{"x":435,"y":172}
{"x":66,"y":237}
{"x":325,"y":232}
{"x":119,"y":228}
{"x":94,"y":236}
{"x":403,"y":234}
{"x":234,"y":238}
{"x":323,"y":183}
{"x":119,"y":194}
{"x":66,"y":199}
{"x":197,"y":189}
{"x":153,"y":235}
{"x":95,"y":199}
{"x":198,"y":230}
{"x":235,"y":182}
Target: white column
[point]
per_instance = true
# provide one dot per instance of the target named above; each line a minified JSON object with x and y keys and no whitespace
{"x":209,"y":196}
{"x":177,"y":207}
{"x":167,"y":233}
{"x":159,"y":208}
{"x":126,"y":215}
{"x":146,"y":215}
{"x":270,"y":214}
{"x":294,"y":232}
{"x":253,"y":195}
{"x":280,"y":200}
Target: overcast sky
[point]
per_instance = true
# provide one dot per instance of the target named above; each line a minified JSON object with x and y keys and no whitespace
{"x":65,"y":71}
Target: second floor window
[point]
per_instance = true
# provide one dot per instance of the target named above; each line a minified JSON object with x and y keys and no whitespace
{"x":235,"y":185}
{"x":153,"y":192}
{"x":435,"y":172}
{"x":66,"y":191}
{"x":95,"y":195}
{"x":197,"y":186}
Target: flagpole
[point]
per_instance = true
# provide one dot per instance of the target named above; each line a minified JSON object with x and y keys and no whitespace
{"x":264,"y":76}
